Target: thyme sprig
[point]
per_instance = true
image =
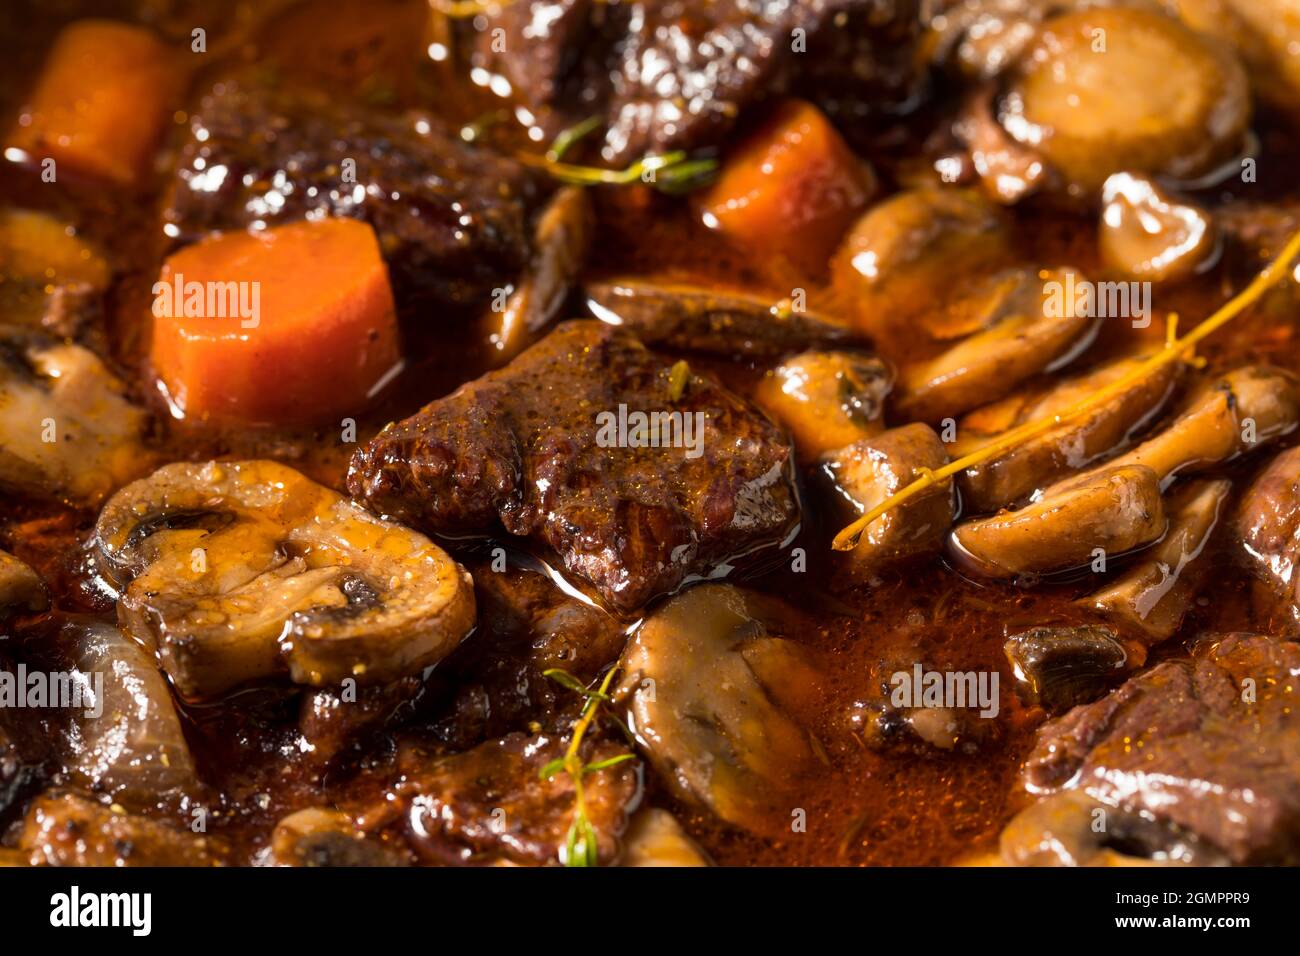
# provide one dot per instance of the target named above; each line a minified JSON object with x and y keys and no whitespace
{"x":465,"y":9}
{"x":673,"y":172}
{"x":580,"y":844}
{"x":1175,"y":349}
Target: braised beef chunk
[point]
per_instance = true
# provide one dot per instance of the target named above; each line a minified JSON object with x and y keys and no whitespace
{"x":333,"y":725}
{"x":495,"y":682}
{"x":538,"y":44}
{"x":547,"y":446}
{"x":864,"y":431}
{"x":453,"y":221}
{"x":1268,"y":524}
{"x":67,"y":829}
{"x":676,"y":74}
{"x":1210,"y":745}
{"x":553,"y":629}
{"x":320,"y":837}
{"x":492,"y":803}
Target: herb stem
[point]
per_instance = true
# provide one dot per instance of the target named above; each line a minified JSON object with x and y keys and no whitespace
{"x":567,"y":137}
{"x":1173,"y":349}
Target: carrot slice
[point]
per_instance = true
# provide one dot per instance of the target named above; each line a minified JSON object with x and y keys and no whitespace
{"x":287,"y":326}
{"x":102,"y":100}
{"x":791,"y":188}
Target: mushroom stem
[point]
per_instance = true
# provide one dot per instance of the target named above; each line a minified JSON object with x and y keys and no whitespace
{"x":847,"y":539}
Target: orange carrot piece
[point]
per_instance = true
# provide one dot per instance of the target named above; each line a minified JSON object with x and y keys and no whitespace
{"x":287,"y":326}
{"x":791,"y":188}
{"x":101,"y":101}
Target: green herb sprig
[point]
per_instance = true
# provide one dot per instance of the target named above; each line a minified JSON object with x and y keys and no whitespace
{"x":674,"y":172}
{"x":580,"y":844}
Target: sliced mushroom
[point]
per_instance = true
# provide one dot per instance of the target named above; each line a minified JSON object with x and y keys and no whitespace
{"x":826,"y":399}
{"x":238,"y":571}
{"x":1024,"y":468}
{"x":1009,"y":171}
{"x":1115,"y":509}
{"x":1223,"y":419}
{"x":1022,"y":336}
{"x":1107,"y":89}
{"x":655,"y":838}
{"x":66,"y":426}
{"x":979,"y":39}
{"x":1152,"y":597}
{"x":867,"y":472}
{"x":1057,"y":668}
{"x":333,"y":719}
{"x":1147,"y":235}
{"x":560,"y":240}
{"x":1071,"y":829}
{"x":1268,"y":524}
{"x":714,"y":321}
{"x":320,"y":837}
{"x":127,"y":742}
{"x":67,"y":829}
{"x":1265,"y":34}
{"x":708,"y":681}
{"x":910,"y":248}
{"x":21,"y":588}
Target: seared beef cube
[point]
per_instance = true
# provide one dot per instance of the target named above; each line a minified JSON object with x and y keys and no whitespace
{"x":25,"y":762}
{"x":1268,"y":525}
{"x":542,"y":43}
{"x":333,"y":725}
{"x":67,"y":829}
{"x":861,"y":60}
{"x":492,"y":804}
{"x":1209,"y":745}
{"x":676,"y":74}
{"x":494,"y":683}
{"x":548,"y":446}
{"x":454,"y":221}
{"x":685,"y":70}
